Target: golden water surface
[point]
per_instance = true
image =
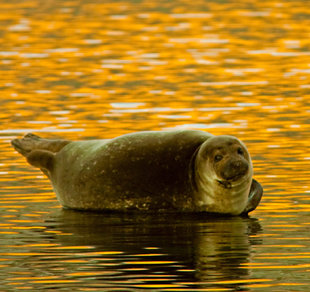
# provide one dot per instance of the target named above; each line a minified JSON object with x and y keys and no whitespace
{"x":98,"y":69}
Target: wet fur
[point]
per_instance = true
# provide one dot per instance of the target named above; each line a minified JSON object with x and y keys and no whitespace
{"x":85,"y":189}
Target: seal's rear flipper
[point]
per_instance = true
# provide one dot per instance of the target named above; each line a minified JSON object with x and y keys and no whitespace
{"x":25,"y":145}
{"x":255,"y":195}
{"x":33,"y":142}
{"x":42,"y":159}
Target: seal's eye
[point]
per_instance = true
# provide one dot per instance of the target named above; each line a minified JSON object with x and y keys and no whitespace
{"x":218,"y":158}
{"x":240,"y":151}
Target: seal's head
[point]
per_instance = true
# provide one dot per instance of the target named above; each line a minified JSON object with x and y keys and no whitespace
{"x":223,"y":175}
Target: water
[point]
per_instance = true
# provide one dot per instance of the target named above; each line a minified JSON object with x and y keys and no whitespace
{"x":98,"y":69}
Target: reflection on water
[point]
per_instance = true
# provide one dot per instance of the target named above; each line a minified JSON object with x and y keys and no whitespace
{"x":98,"y":69}
{"x":133,"y":251}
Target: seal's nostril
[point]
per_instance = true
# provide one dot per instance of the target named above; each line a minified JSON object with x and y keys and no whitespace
{"x":235,"y":169}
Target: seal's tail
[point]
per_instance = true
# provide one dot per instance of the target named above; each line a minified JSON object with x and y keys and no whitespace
{"x":38,"y":151}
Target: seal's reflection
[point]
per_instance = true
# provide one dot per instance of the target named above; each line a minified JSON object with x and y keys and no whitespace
{"x":211,"y":248}
{"x":222,"y":246}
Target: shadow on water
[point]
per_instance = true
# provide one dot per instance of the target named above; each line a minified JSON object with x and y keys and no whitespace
{"x":183,"y":250}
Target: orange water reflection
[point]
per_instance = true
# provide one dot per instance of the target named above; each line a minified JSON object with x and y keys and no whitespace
{"x":91,"y":69}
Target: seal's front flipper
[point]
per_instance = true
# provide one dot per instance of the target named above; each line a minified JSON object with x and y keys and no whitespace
{"x":255,"y":195}
{"x":42,"y":159}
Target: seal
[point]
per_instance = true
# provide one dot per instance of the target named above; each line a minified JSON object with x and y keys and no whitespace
{"x":184,"y":170}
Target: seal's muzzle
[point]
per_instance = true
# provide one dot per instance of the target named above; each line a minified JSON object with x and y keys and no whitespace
{"x":234,"y":169}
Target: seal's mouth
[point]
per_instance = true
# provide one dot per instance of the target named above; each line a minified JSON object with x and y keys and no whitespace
{"x":227,"y":183}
